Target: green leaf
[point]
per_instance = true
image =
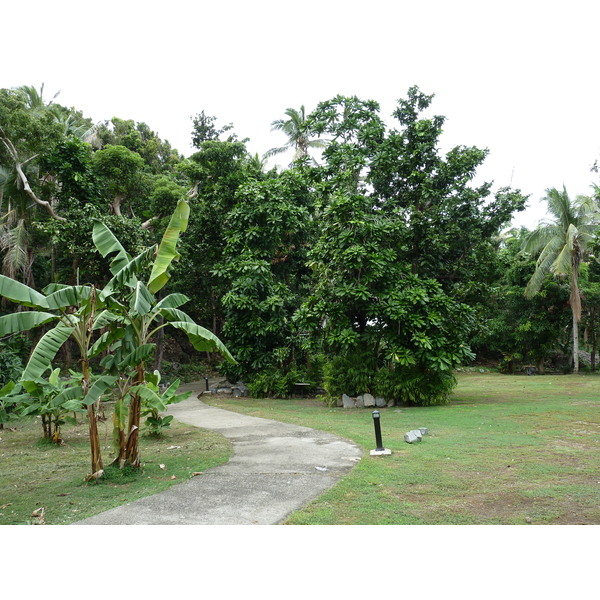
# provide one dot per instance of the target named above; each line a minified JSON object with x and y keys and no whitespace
{"x":172,"y":301}
{"x":105,"y":340}
{"x":126,"y":275}
{"x":151,"y":398}
{"x":99,"y":388}
{"x":71,"y":394}
{"x":202,"y":339}
{"x":141,"y":301}
{"x":107,"y":243}
{"x":23,"y":321}
{"x":20,"y":293}
{"x":167,"y":251}
{"x":140,"y":354}
{"x":45,"y":351}
{"x":69,"y":296}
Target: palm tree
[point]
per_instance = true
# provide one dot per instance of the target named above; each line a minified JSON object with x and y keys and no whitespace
{"x":295,"y":129}
{"x":562,"y":245}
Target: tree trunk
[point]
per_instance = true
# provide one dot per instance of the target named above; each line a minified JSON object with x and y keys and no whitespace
{"x":540,"y":366}
{"x":132,"y":449}
{"x":97,"y":465}
{"x":95,"y":448}
{"x":575,"y":344}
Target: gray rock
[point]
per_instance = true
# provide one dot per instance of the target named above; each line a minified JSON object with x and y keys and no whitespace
{"x":391,"y":403}
{"x":225,"y":390}
{"x":348,"y":402}
{"x":424,"y":430}
{"x":380,"y":402}
{"x":360,"y":402}
{"x":368,"y":400}
{"x":339,"y":403}
{"x":413,"y":436}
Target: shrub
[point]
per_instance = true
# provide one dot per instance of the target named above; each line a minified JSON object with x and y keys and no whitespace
{"x":413,"y":386}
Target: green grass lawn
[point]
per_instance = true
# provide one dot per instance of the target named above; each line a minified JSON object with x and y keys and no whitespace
{"x":507,"y":450}
{"x":35,"y":473}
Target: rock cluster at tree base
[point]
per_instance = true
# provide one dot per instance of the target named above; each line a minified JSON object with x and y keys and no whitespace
{"x":239,"y":389}
{"x":363,"y":401}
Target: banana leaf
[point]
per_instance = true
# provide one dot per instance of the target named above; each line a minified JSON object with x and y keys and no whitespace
{"x":106,"y":340}
{"x":202,"y":339}
{"x":99,"y":388}
{"x":140,"y":354}
{"x":167,"y":251}
{"x":23,"y":321}
{"x":126,"y":276}
{"x":74,"y":295}
{"x":172,"y":301}
{"x":141,"y":300}
{"x":174,"y":314}
{"x":45,"y":351}
{"x":107,"y":243}
{"x":151,"y":398}
{"x":21,"y":293}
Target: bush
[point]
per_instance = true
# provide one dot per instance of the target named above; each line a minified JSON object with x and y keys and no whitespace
{"x":351,"y":374}
{"x":280,"y":382}
{"x":414,"y":386}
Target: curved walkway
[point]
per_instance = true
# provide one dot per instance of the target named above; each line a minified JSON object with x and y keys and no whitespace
{"x":275,"y":469}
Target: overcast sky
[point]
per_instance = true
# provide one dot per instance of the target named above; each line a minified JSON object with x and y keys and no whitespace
{"x":517,"y":77}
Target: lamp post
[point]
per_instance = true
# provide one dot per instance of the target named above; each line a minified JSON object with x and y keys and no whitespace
{"x":379,"y":450}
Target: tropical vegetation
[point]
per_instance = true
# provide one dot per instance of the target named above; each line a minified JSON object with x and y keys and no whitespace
{"x":376,"y":265}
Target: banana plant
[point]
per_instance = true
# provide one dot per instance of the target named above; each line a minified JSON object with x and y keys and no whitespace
{"x":73,"y":312}
{"x":137,"y":315}
{"x":157,"y":401}
{"x":45,"y":398}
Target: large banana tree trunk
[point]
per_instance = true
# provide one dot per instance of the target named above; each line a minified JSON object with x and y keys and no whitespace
{"x":132,"y":448}
{"x":95,"y":449}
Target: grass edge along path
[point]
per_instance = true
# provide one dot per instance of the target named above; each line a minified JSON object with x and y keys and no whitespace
{"x":507,"y":450}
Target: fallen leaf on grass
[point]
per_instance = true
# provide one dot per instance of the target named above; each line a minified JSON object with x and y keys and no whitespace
{"x":39,"y":514}
{"x":173,"y":447}
{"x":10,"y":504}
{"x":173,"y":477}
{"x":161,"y":466}
{"x":202,"y":473}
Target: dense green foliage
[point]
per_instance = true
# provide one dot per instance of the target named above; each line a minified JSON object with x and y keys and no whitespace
{"x":376,"y":265}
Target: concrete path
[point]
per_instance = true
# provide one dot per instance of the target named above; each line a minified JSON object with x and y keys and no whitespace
{"x":275,"y":469}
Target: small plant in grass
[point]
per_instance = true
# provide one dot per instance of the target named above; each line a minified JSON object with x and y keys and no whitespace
{"x":154,"y":403}
{"x":50,"y":399}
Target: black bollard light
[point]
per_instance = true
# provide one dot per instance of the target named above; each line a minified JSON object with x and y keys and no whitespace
{"x":380,"y":450}
{"x":206,"y":380}
{"x":377,"y":423}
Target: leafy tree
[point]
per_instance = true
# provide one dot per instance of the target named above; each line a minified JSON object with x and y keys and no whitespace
{"x":157,"y":154}
{"x":122,"y":173}
{"x":512,"y":328}
{"x":204,"y":130}
{"x":400,"y":227}
{"x":263,"y":269}
{"x":297,"y":133}
{"x":562,"y":245}
{"x":215,"y":172}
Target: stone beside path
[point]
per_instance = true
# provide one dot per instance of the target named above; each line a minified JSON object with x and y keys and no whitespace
{"x":275,"y":470}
